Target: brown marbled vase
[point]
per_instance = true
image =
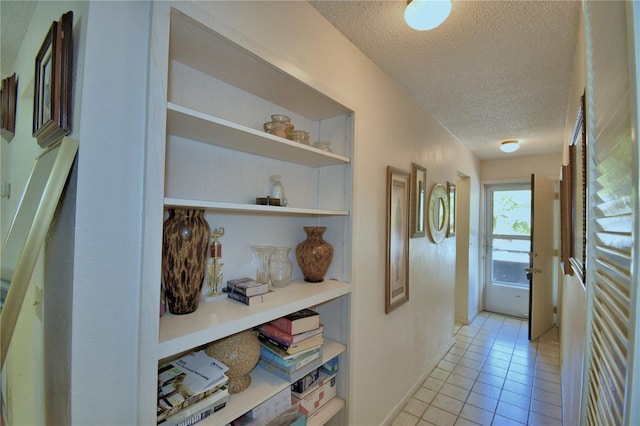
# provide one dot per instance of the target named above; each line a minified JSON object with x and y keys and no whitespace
{"x":185,"y":242}
{"x":314,"y":254}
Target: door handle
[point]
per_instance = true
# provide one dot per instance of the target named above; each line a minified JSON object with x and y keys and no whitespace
{"x":533,"y":270}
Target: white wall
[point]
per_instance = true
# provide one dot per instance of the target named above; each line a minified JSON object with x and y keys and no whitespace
{"x":106,"y":270}
{"x":573,"y":317}
{"x":28,"y":361}
{"x":389,"y":353}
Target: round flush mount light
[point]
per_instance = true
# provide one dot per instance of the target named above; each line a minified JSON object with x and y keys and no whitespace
{"x":511,"y":145}
{"x":423,"y":15}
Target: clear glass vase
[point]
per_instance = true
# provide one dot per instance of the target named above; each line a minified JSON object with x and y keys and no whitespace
{"x":280,"y":267}
{"x":262,"y":253}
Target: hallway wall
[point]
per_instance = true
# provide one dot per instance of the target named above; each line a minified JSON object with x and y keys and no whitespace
{"x":572,"y":310}
{"x":28,"y":361}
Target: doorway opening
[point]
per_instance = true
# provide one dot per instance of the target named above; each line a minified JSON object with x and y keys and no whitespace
{"x":507,"y":247}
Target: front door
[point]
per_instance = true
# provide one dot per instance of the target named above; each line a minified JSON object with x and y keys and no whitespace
{"x":507,"y":246}
{"x":541,"y":265}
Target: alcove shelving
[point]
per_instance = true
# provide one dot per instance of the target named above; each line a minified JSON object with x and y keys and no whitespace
{"x":209,"y":96}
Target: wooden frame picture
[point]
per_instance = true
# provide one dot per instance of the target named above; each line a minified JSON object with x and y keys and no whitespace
{"x":53,"y":75}
{"x":565,"y":220}
{"x":8,"y":97}
{"x":418,"y":201}
{"x":397,"y":264}
{"x":578,"y":178}
{"x":451,"y":189}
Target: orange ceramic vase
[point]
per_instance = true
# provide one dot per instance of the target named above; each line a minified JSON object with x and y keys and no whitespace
{"x":314,"y":254}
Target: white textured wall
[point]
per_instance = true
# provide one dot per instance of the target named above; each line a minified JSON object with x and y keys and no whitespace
{"x":520,"y":168}
{"x":573,"y":317}
{"x":106,"y":278}
{"x":29,"y":363}
{"x":390,"y":352}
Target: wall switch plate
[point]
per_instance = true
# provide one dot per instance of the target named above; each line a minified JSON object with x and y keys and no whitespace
{"x":5,"y":189}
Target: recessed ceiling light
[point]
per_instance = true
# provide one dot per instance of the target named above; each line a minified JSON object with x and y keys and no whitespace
{"x":509,"y":146}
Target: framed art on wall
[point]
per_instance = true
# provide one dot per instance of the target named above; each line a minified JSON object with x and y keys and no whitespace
{"x":418,"y":201}
{"x":397,"y":264}
{"x":53,"y":75}
{"x":565,"y":220}
{"x":578,"y":178}
{"x":451,"y":189}
{"x":8,"y":97}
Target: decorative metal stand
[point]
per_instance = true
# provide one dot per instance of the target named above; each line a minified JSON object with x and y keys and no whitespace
{"x":214,"y":269}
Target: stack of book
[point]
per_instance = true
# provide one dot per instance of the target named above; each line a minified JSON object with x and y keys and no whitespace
{"x":292,"y":345}
{"x":248,"y":291}
{"x":190,"y":389}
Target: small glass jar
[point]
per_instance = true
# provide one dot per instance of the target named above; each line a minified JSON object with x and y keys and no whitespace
{"x":325,"y":146}
{"x":280,"y":267}
{"x":300,"y":136}
{"x":279,"y":128}
{"x":280,"y":118}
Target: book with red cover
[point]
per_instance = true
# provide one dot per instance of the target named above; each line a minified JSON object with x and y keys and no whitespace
{"x":282,"y":336}
{"x":298,"y":322}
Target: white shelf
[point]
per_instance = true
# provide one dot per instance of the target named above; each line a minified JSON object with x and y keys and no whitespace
{"x":196,"y":46}
{"x":196,"y":125}
{"x":248,"y":208}
{"x":326,"y":412}
{"x":217,"y":319}
{"x":263,"y":386}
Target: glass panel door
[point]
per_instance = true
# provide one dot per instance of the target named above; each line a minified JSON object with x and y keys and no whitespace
{"x":507,"y":247}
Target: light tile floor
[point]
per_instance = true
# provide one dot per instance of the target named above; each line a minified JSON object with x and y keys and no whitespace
{"x":492,"y":375}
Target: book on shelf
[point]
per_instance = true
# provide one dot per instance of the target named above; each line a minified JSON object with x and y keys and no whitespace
{"x":251,"y":300}
{"x":279,"y":335}
{"x":283,"y":354}
{"x":292,"y":363}
{"x":199,"y":410}
{"x":289,"y":376}
{"x":187,"y":380}
{"x":247,"y":286}
{"x":311,"y":342}
{"x":298,"y":322}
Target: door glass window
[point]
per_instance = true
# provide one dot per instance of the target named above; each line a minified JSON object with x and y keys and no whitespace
{"x":510,"y":236}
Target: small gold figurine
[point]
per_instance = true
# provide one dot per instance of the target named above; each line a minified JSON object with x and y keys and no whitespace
{"x":214,"y":269}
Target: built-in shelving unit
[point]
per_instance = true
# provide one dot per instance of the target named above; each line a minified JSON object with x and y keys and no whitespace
{"x":192,"y":53}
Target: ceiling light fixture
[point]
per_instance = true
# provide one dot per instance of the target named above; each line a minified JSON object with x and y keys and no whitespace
{"x":423,"y":15}
{"x":509,"y":146}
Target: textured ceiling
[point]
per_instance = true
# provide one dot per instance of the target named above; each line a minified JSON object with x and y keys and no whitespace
{"x":493,"y":70}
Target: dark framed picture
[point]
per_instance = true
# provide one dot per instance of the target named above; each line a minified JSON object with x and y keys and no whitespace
{"x":451,"y":189}
{"x":418,"y":201}
{"x":397,"y":265}
{"x":578,"y":177}
{"x":53,"y":76}
{"x":8,"y":97}
{"x":565,"y":220}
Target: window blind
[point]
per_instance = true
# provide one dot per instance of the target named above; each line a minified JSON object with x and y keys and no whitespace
{"x":610,"y":176}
